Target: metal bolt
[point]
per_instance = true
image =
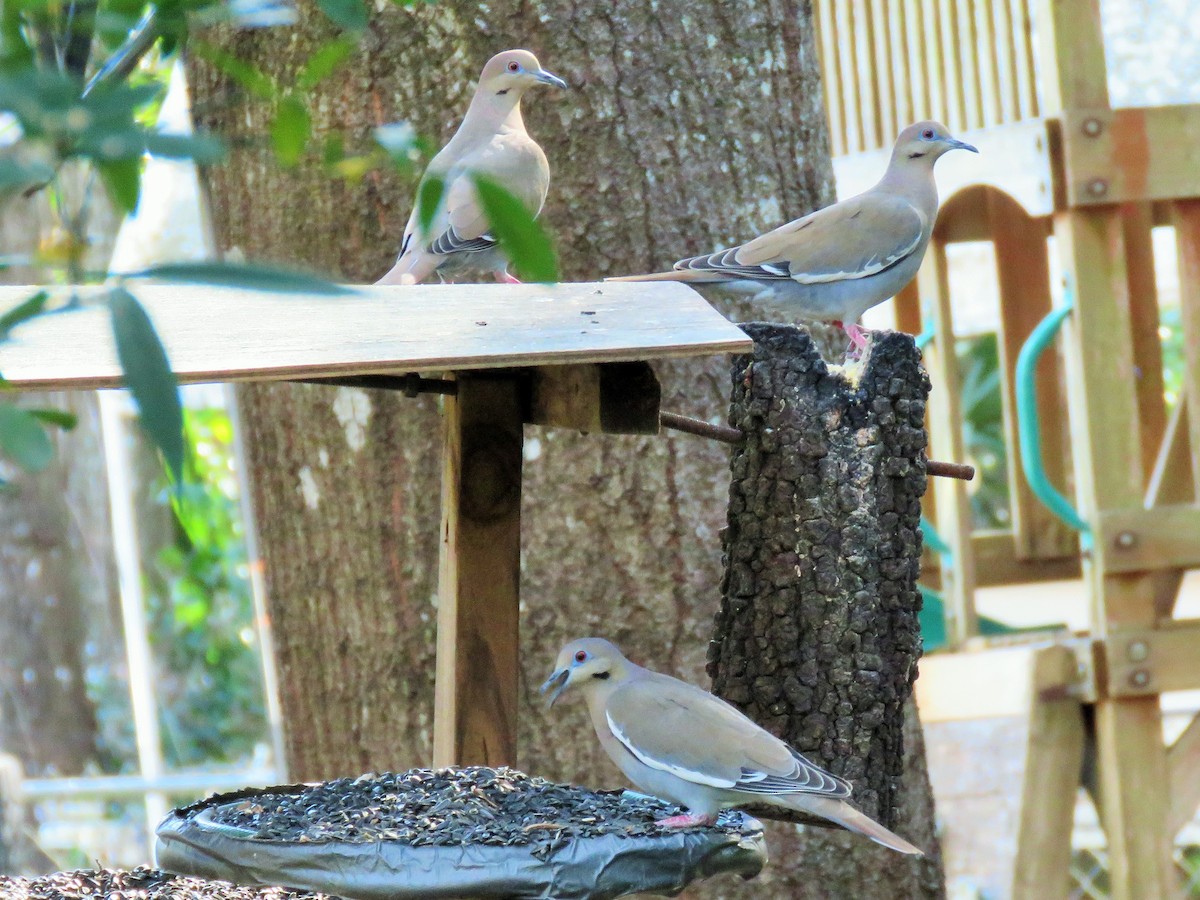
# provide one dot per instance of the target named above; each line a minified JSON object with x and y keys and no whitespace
{"x":1092,"y":127}
{"x":1126,"y":540}
{"x":1139,"y":678}
{"x":1137,"y":651}
{"x":1097,"y":187}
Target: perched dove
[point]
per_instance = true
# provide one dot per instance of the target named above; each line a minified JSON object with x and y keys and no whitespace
{"x":836,"y":263}
{"x":491,"y":141}
{"x":682,"y":744}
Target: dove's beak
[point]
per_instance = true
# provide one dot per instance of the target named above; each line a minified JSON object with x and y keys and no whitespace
{"x":557,"y":683}
{"x":553,"y":80}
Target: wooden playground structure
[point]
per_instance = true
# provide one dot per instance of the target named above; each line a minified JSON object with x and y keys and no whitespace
{"x":1061,"y":164}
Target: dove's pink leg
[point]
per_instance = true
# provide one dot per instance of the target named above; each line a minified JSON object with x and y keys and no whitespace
{"x":504,"y":278}
{"x":686,"y":821}
{"x":858,"y":339}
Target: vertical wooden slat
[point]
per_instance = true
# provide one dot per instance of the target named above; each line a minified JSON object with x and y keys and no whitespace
{"x":1025,"y":68}
{"x":1136,"y":222}
{"x":969,"y":65}
{"x":885,"y":67}
{"x":848,"y":66}
{"x":946,"y":439}
{"x":934,"y":73}
{"x":905,"y":73}
{"x":1006,"y":55}
{"x":831,"y":69}
{"x":1072,"y":54}
{"x":1131,"y":758}
{"x":475,"y":692}
{"x":918,"y":56}
{"x":989,"y":65}
{"x":952,"y":74}
{"x":1023,"y":272}
{"x":868,"y":92}
{"x":1185,"y":216}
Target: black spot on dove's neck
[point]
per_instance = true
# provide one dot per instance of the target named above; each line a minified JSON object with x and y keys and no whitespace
{"x":915,"y":155}
{"x":603,"y":676}
{"x":503,"y":92}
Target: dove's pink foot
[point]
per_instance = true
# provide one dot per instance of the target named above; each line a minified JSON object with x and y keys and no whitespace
{"x":686,"y":821}
{"x":505,"y":278}
{"x":858,"y":339}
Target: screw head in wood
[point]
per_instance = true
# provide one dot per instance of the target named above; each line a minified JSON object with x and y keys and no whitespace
{"x":1097,"y":187}
{"x":1137,"y":651}
{"x":1092,"y":126}
{"x":1125,"y":540}
{"x":1139,"y":678}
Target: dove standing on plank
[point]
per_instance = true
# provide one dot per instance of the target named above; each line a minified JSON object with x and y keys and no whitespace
{"x":836,"y":263}
{"x":682,"y":744}
{"x":491,"y":142}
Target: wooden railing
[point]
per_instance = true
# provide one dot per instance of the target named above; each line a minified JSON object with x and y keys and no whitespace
{"x":885,"y":63}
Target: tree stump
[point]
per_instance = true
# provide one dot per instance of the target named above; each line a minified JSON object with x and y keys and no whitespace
{"x":817,"y":637}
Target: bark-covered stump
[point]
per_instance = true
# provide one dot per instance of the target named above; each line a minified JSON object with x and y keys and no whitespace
{"x":817,"y":637}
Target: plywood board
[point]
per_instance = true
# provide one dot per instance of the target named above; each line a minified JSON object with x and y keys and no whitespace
{"x":216,"y":334}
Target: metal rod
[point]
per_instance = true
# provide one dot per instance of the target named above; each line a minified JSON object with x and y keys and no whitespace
{"x":174,"y":784}
{"x":950,"y":470}
{"x":728,"y":435}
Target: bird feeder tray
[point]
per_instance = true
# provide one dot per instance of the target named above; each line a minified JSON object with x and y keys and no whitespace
{"x":452,"y":832}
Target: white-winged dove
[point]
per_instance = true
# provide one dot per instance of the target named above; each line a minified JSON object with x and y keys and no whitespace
{"x":492,"y":142}
{"x":836,"y":263}
{"x":682,"y":744}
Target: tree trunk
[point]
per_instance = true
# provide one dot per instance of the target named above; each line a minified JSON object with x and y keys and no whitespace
{"x":818,"y":637}
{"x":691,"y":124}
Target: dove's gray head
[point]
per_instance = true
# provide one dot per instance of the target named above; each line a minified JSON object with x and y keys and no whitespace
{"x":924,"y":142}
{"x":513,"y":72}
{"x":584,"y":662}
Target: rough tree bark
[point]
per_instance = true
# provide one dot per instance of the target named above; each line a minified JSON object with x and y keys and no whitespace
{"x":691,"y":123}
{"x":818,"y":637}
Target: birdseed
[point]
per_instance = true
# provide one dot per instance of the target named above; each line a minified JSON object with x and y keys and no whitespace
{"x":142,"y":883}
{"x":441,"y":807}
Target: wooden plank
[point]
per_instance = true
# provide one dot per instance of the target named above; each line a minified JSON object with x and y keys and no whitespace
{"x":990,"y":51}
{"x":903,"y":87}
{"x":1172,"y":480}
{"x":1023,"y":272}
{"x":1025,"y":69}
{"x":1006,"y":61}
{"x":831,"y":74}
{"x":1185,"y":217}
{"x":1144,"y":540}
{"x":868,"y":93}
{"x":1072,"y":55}
{"x":1134,"y":154}
{"x":952,"y":70}
{"x":885,"y":65}
{"x":1053,"y":758}
{"x":970,"y":70}
{"x":1014,"y":159}
{"x":997,"y":562}
{"x":946,"y":442}
{"x":848,"y":66}
{"x":934,"y":71}
{"x":475,"y":692}
{"x":1136,"y":222}
{"x":914,"y":38}
{"x":1150,"y":661}
{"x":996,"y":682}
{"x":1183,"y":761}
{"x":1131,"y":758}
{"x":217,"y":334}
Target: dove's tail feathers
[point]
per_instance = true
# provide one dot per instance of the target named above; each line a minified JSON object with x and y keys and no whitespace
{"x":687,"y":275}
{"x":848,"y":817}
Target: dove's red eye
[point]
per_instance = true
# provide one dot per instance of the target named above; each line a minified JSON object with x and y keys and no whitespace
{"x":580,"y":655}
{"x":514,"y":67}
{"x":927,"y":134}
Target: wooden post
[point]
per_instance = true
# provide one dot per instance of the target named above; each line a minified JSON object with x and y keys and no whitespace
{"x":946,"y":442}
{"x":475,"y":694}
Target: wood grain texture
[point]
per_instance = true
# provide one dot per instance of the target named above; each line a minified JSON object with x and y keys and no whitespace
{"x":475,"y":694}
{"x":1184,"y":761}
{"x":228,"y":335}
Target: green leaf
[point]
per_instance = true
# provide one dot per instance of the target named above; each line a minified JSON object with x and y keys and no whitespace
{"x":203,"y":148}
{"x":23,"y":439}
{"x":517,"y":231}
{"x":123,"y":179}
{"x":323,"y":63}
{"x":149,"y":377}
{"x":252,"y":79}
{"x":349,"y":14}
{"x":243,"y":275}
{"x":18,"y":174}
{"x":60,"y":417}
{"x":429,"y":198}
{"x":290,"y":130}
{"x":26,"y":309}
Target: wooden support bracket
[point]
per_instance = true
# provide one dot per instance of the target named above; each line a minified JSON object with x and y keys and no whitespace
{"x":613,"y":398}
{"x":1138,"y":662}
{"x":1146,"y":540}
{"x":475,"y":693}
